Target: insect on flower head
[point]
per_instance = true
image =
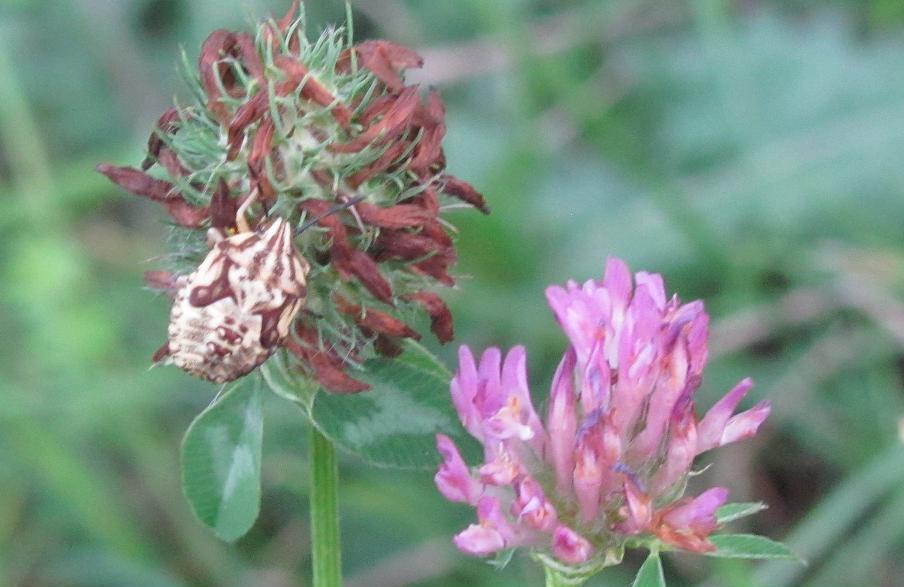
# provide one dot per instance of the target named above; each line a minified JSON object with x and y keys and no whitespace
{"x":303,"y":126}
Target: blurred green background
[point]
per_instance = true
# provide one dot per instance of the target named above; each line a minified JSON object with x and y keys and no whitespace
{"x":751,"y":151}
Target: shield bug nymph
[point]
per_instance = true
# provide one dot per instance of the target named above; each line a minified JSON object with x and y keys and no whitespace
{"x":235,"y":309}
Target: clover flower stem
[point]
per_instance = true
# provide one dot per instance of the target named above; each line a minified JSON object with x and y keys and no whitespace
{"x":555,"y":578}
{"x":326,"y":552}
{"x":559,"y":574}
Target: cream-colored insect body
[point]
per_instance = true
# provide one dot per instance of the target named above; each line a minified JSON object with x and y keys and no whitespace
{"x":235,"y":309}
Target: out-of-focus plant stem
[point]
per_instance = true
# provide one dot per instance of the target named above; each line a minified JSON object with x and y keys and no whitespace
{"x":556,"y":579}
{"x":326,"y":551}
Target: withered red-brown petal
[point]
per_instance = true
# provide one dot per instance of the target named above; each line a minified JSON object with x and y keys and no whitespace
{"x":141,"y":184}
{"x":464,"y":192}
{"x":248,"y":113}
{"x":327,"y":368}
{"x":434,"y":111}
{"x":344,"y":305}
{"x":392,"y":124}
{"x":318,"y":209}
{"x":434,"y":230}
{"x":386,"y":159}
{"x":440,"y":316}
{"x":247,"y":55}
{"x":375,"y":320}
{"x":171,"y":162}
{"x":216,"y":74}
{"x":296,"y":73}
{"x":378,"y":107}
{"x":138,"y":182}
{"x":161,"y":353}
{"x":386,"y":60}
{"x":349,"y":261}
{"x":427,"y":199}
{"x":333,"y":378}
{"x":387,"y":346}
{"x":389,"y":325}
{"x":162,"y":280}
{"x":369,"y":274}
{"x":323,"y":178}
{"x":185,"y":214}
{"x":273,"y":34}
{"x":399,"y":244}
{"x":166,"y":124}
{"x":211,"y":50}
{"x":223,"y":208}
{"x":288,"y":18}
{"x":428,"y":153}
{"x":260,"y":181}
{"x":429,"y":150}
{"x":263,"y":137}
{"x":435,"y":267}
{"x":398,"y":216}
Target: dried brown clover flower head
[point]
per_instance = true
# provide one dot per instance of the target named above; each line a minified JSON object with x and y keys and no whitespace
{"x":281,"y":131}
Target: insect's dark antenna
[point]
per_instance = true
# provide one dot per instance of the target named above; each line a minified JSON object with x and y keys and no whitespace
{"x":330,"y":212}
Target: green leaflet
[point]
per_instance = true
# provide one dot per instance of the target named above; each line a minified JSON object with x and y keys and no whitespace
{"x":394,"y":424}
{"x":221,"y":461}
{"x":650,"y":573}
{"x":734,"y":511}
{"x":749,"y":546}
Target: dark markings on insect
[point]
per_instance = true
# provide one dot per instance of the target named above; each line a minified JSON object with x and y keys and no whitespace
{"x":235,"y":309}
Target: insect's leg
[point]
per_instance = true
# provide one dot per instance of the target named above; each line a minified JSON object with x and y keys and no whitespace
{"x":240,"y":221}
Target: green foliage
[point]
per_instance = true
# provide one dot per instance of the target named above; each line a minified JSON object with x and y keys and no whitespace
{"x":650,"y":573}
{"x":221,"y":461}
{"x":735,"y":511}
{"x":397,"y":425}
{"x":749,"y":546}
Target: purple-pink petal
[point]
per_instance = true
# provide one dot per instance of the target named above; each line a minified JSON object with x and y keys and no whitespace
{"x":745,"y":424}
{"x":479,"y":540}
{"x":489,"y":397}
{"x":578,"y":314}
{"x":700,"y":513}
{"x":570,"y":547}
{"x":502,"y":469}
{"x":712,"y":427}
{"x":680,"y":451}
{"x":463,"y":388}
{"x":453,"y":479}
{"x":617,"y":281}
{"x":532,"y":507}
{"x":561,"y":423}
{"x":639,"y":508}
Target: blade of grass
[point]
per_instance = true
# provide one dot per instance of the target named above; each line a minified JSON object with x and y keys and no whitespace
{"x":864,"y":550}
{"x":88,"y":495}
{"x":831,"y":520}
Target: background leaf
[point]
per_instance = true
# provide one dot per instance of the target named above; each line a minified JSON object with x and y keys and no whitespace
{"x":221,"y":461}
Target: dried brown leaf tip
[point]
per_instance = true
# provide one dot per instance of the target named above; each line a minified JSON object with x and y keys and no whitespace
{"x":283,"y":132}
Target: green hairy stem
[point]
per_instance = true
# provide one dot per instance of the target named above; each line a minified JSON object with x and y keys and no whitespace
{"x":325,"y":545}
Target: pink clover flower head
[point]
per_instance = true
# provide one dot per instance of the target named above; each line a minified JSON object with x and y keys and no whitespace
{"x":621,"y":431}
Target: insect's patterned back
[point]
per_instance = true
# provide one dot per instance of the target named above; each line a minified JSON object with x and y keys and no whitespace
{"x":234,"y":310}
